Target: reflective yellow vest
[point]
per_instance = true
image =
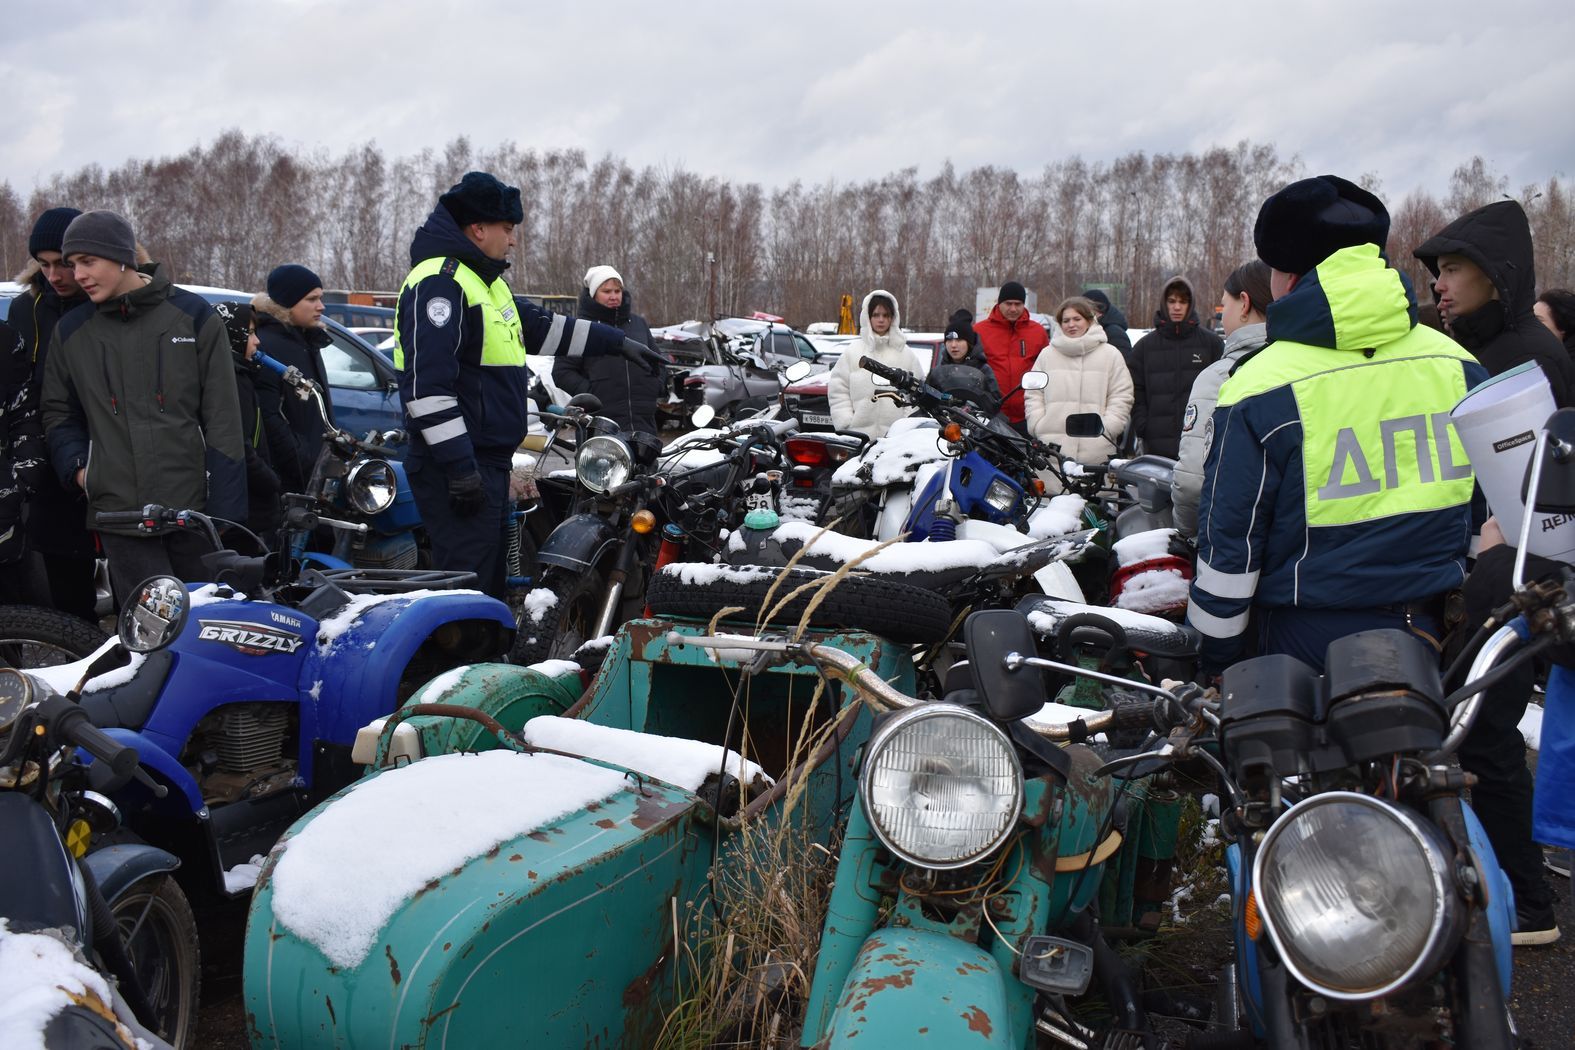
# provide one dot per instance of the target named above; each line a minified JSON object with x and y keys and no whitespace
{"x":503,"y":341}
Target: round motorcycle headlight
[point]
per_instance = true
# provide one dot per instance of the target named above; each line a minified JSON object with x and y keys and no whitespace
{"x":603,"y":463}
{"x":1357,"y":894}
{"x":942,"y":786}
{"x":371,"y":486}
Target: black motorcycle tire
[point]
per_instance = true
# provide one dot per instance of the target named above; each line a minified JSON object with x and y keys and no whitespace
{"x":566,"y":626}
{"x":165,"y":953}
{"x":33,"y":636}
{"x":898,"y":611}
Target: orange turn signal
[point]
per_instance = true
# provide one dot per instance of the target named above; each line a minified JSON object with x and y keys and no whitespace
{"x":1038,"y":485}
{"x":1252,"y":920}
{"x":952,"y":432}
{"x":643,"y":522}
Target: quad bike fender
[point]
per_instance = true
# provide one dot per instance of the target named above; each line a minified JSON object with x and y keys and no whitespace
{"x":577,"y":543}
{"x":913,"y":987}
{"x":184,"y":794}
{"x":354,"y":677}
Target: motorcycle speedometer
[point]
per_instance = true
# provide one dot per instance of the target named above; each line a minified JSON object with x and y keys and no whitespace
{"x":372,"y":486}
{"x":942,"y":786}
{"x":16,"y":692}
{"x":1357,"y":894}
{"x":603,"y":463}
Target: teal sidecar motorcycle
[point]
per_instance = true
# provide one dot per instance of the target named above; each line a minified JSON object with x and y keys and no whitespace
{"x":516,"y":867}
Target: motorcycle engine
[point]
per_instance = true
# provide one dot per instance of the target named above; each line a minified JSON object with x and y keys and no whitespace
{"x":238,"y":751}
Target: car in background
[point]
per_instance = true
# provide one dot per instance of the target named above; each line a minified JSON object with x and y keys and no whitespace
{"x":358,"y":315}
{"x":751,"y":355}
{"x":9,"y":290}
{"x":378,"y":338}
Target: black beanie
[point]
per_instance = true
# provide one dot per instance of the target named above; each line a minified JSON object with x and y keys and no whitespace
{"x":49,"y":232}
{"x":100,"y":233}
{"x":1012,"y":291}
{"x":237,"y":318}
{"x":1098,"y":298}
{"x":290,"y":283}
{"x":960,"y":326}
{"x":479,"y":197}
{"x":1308,"y":221}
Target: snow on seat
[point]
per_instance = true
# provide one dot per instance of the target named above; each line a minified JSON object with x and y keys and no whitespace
{"x":1150,"y":634}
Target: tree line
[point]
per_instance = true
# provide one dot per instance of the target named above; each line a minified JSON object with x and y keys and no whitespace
{"x":690,"y":245}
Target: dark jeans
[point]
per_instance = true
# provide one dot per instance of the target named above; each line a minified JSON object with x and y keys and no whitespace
{"x":133,"y":559}
{"x":1495,"y":751}
{"x":471,"y":544}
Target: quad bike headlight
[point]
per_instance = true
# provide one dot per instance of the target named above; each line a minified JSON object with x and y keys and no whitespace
{"x":603,"y":463}
{"x":942,"y":786}
{"x":1357,"y":894}
{"x":371,"y":486}
{"x":1001,"y":496}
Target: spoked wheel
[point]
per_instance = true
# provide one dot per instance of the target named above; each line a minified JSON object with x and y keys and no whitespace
{"x":33,"y":636}
{"x":161,"y":938}
{"x":557,"y":617}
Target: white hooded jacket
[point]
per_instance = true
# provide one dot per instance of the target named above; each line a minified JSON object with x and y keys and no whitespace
{"x":1087,"y":374}
{"x":851,"y":390}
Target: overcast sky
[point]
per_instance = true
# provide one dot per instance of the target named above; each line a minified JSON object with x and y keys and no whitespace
{"x":772,"y":92}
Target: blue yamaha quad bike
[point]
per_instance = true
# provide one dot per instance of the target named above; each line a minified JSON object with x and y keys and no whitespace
{"x":245,"y":721}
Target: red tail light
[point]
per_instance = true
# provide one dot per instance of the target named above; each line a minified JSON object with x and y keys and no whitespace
{"x":807,"y":451}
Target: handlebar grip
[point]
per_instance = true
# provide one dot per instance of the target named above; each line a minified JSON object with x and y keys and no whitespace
{"x":270,"y":363}
{"x":870,"y":365}
{"x":120,"y":517}
{"x":1136,"y":714}
{"x":75,"y":727}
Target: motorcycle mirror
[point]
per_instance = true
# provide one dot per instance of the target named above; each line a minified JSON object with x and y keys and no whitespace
{"x":589,"y":402}
{"x":1007,"y":695}
{"x":155,"y":614}
{"x":797,"y":370}
{"x":1083,"y":424}
{"x":1556,"y":487}
{"x":1035,"y":380}
{"x":703,"y":416}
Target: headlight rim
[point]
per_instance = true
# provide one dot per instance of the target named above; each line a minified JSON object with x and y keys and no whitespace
{"x":625,"y":456}
{"x":1446,"y":907}
{"x":883,"y":734}
{"x":357,"y":475}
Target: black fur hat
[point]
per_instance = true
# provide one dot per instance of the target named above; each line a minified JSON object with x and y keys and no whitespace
{"x":1308,"y":221}
{"x":479,"y":197}
{"x":960,"y":326}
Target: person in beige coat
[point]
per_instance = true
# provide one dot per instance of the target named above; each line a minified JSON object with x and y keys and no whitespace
{"x":850,"y":389}
{"x":1087,"y":374}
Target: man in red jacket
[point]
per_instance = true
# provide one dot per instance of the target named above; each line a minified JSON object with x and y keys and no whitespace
{"x":1011,"y":341}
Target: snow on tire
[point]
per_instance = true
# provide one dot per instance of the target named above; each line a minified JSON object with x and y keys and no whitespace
{"x":899,"y":611}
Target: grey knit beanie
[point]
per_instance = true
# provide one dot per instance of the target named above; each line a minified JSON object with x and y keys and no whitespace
{"x":100,"y":233}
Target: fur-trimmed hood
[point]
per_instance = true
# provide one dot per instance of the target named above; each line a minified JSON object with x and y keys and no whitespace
{"x":266,"y":307}
{"x":32,"y":274}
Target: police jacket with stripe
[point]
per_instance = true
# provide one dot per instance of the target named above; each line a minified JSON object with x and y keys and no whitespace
{"x":461,"y":406}
{"x":1334,"y":480}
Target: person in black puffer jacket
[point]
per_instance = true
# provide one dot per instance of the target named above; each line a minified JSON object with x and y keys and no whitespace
{"x":263,"y":510}
{"x":1164,"y":364}
{"x":1486,"y":283}
{"x":962,"y":351}
{"x":290,"y":330}
{"x":628,"y":393}
{"x":1113,"y":321}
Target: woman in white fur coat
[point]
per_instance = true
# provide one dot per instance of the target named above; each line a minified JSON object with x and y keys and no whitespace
{"x":1087,"y":374}
{"x":851,"y":389}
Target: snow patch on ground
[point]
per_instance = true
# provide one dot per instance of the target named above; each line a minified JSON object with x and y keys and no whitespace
{"x":685,"y":763}
{"x":1154,"y":591}
{"x":419,"y":821}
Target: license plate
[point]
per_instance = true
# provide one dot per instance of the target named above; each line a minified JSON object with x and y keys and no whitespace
{"x":816,"y":417}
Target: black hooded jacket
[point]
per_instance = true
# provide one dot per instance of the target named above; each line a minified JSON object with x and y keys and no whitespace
{"x":1113,"y":321}
{"x":1164,"y":364}
{"x":57,"y":510}
{"x":293,"y":429}
{"x":973,"y":359}
{"x":1505,"y":332}
{"x":627,"y":391}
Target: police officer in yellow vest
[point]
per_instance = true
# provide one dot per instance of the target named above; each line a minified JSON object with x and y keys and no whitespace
{"x":460,"y":345}
{"x":1336,"y":497}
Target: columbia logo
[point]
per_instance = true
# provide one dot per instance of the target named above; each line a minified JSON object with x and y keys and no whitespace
{"x":182,"y":339}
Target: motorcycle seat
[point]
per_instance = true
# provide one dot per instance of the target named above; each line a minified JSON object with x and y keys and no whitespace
{"x":128,"y":706}
{"x":1149,"y":634}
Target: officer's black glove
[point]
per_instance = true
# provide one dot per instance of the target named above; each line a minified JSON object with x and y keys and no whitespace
{"x":465,"y":495}
{"x":641,"y":354}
